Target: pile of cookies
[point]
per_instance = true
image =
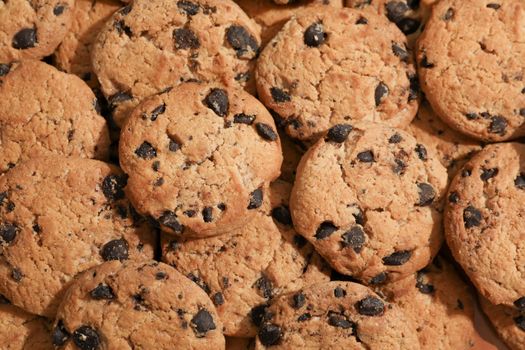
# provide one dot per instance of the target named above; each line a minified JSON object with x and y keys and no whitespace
{"x":261,"y":174}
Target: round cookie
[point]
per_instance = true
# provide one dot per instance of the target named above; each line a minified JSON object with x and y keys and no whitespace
{"x":60,"y":216}
{"x":272,"y":17}
{"x":441,"y":306}
{"x":452,"y":148}
{"x":244,"y":269}
{"x":74,"y":53}
{"x":22,"y":331}
{"x":199,"y":157}
{"x":32,"y":29}
{"x":335,"y":315}
{"x":369,"y":200}
{"x":136,"y":305}
{"x":354,"y":66}
{"x":472,"y":64}
{"x":151,"y":45}
{"x":509,"y":323}
{"x":46,"y":112}
{"x":483,"y":224}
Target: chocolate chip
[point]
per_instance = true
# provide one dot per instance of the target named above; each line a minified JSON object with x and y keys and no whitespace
{"x":299,"y":241}
{"x":304,"y":317}
{"x":119,"y":97}
{"x":298,"y":300}
{"x":218,"y":299}
{"x":265,"y":286}
{"x":493,"y":6}
{"x":190,"y":213}
{"x":425,"y":63}
{"x":339,"y":292}
{"x":256,"y":199}
{"x":408,"y":25}
{"x":370,"y":306}
{"x":86,"y":338}
{"x":4,"y":69}
{"x":270,"y":334}
{"x":116,"y":249}
{"x":198,"y":281}
{"x":173,"y":146}
{"x":421,"y":152}
{"x":188,"y":7}
{"x":466,"y":173}
{"x":453,"y":197}
{"x":161,"y":275}
{"x":449,"y":14}
{"x":498,"y":125}
{"x":471,"y":116}
{"x":339,"y":321}
{"x":113,"y":186}
{"x":59,"y":9}
{"x":242,"y":118}
{"x":217,"y":101}
{"x":471,"y":217}
{"x":169,"y":219}
{"x":122,"y":28}
{"x":17,"y":275}
{"x":520,"y":322}
{"x":266,"y":131}
{"x":424,"y":288}
{"x":380,"y":93}
{"x":339,"y":133}
{"x":522,"y":111}
{"x":60,"y":334}
{"x":426,"y":194}
{"x":221,"y":206}
{"x":25,"y":39}
{"x":395,"y":10}
{"x":379,"y":278}
{"x":207,"y":214}
{"x":125,"y":10}
{"x":487,"y":174}
{"x":355,"y":238}
{"x":146,"y":151}
{"x":242,"y":41}
{"x":281,"y":214}
{"x":397,"y":258}
{"x":259,"y":314}
{"x":325,"y":230}
{"x":519,"y":181}
{"x":361,"y":20}
{"x":102,"y":292}
{"x":520,"y":303}
{"x":202,"y":323}
{"x":359,"y":217}
{"x":400,"y":167}
{"x":185,"y":39}
{"x":157,"y":111}
{"x":279,"y":95}
{"x":400,"y":52}
{"x":366,"y":157}
{"x":8,"y":232}
{"x":314,"y":35}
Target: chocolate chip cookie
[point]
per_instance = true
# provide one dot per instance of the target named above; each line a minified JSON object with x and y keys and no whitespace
{"x":74,"y":53}
{"x":60,"y":216}
{"x":440,"y":304}
{"x":335,"y":66}
{"x":483,"y":224}
{"x":46,"y":112}
{"x":200,"y":157}
{"x":508,"y":321}
{"x":134,"y":305}
{"x":20,"y":330}
{"x":335,"y":315}
{"x":32,"y":29}
{"x":452,"y":148}
{"x":369,"y":200}
{"x":149,"y":46}
{"x":471,"y":61}
{"x":243,"y":270}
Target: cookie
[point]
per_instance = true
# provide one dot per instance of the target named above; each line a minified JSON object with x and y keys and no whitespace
{"x":440,"y":304}
{"x":200,"y":157}
{"x":335,"y":315}
{"x":509,"y":323}
{"x":149,"y":46}
{"x":369,"y":200}
{"x":452,"y":148}
{"x":60,"y":216}
{"x":244,"y":269}
{"x":32,"y":29}
{"x":240,"y":343}
{"x":46,"y":112}
{"x":74,"y":53}
{"x":471,"y":63}
{"x":349,"y":71}
{"x":20,"y":330}
{"x":483,"y":223}
{"x":136,"y":305}
{"x":272,"y":17}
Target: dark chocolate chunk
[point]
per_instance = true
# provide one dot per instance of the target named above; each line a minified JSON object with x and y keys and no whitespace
{"x":25,"y":39}
{"x":519,"y":181}
{"x":218,"y":299}
{"x":339,"y":133}
{"x":174,"y":145}
{"x":397,"y":258}
{"x":256,"y":199}
{"x":242,"y":118}
{"x":472,"y":116}
{"x":325,"y":230}
{"x":265,"y":286}
{"x":86,"y":338}
{"x":471,"y":217}
{"x":408,"y":25}
{"x":281,"y":214}
{"x":520,"y":322}
{"x":4,"y":69}
{"x":266,"y":131}
{"x":298,"y":300}
{"x":425,"y":63}
{"x":426,"y":194}
{"x":400,"y":52}
{"x":366,"y":157}
{"x":354,"y":238}
{"x":425,"y":288}
{"x":304,"y":317}
{"x":361,"y":20}
{"x":157,"y":111}
{"x":379,"y":278}
{"x":453,"y":197}
{"x":188,"y":7}
{"x":487,"y":174}
{"x":395,"y":10}
{"x":270,"y":334}
{"x":339,"y":321}
{"x":8,"y":232}
{"x":207,"y":214}
{"x":279,"y":95}
{"x":493,"y":6}
{"x":113,"y":186}
{"x":146,"y":151}
{"x":169,"y":219}
{"x":498,"y":125}
{"x":117,"y":249}
{"x":520,"y":303}
{"x":242,"y":41}
{"x":217,"y":101}
{"x":60,"y":334}
{"x":400,"y":167}
{"x":119,"y":97}
{"x":314,"y":35}
{"x":339,"y":292}
{"x":202,"y":323}
{"x":380,"y":93}
{"x":370,"y":306}
{"x":259,"y":314}
{"x":59,"y":9}
{"x":17,"y":275}
{"x":421,"y":152}
{"x":185,"y":39}
{"x":449,"y":14}
{"x":102,"y":292}
{"x":198,"y":281}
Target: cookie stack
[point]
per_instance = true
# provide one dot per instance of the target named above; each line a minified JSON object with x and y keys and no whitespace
{"x":261,"y":174}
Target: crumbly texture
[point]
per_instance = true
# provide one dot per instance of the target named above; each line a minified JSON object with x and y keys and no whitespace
{"x":483,"y":224}
{"x":508,"y":322}
{"x":74,"y":53}
{"x":370,"y":202}
{"x":46,"y":112}
{"x":149,"y":46}
{"x":272,"y":17}
{"x":32,"y":29}
{"x":240,"y":343}
{"x":20,"y":330}
{"x":471,"y":62}
{"x":452,"y":148}
{"x":135,"y":305}
{"x":199,"y":158}
{"x":335,"y":66}
{"x":335,"y":315}
{"x":440,"y":304}
{"x":244,"y":269}
{"x":60,"y":216}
